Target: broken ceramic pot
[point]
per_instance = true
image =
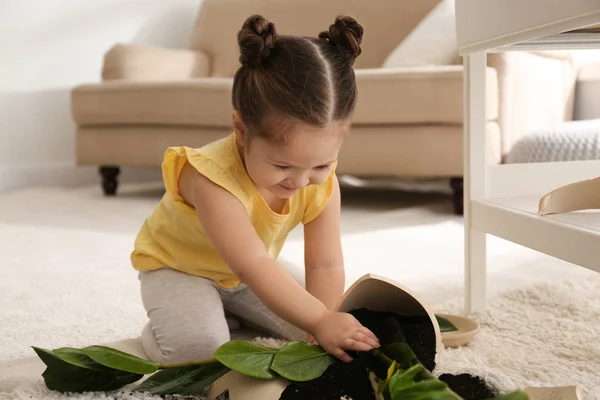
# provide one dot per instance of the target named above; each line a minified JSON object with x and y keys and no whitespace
{"x":372,"y":292}
{"x":466,"y":330}
{"x":582,"y":195}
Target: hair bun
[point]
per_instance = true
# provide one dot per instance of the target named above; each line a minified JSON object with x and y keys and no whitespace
{"x":346,"y":33}
{"x":256,"y":39}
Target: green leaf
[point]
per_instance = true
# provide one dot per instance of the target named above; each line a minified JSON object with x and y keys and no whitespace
{"x":403,"y":379}
{"x":516,"y":395}
{"x":436,"y":395}
{"x":420,"y":388}
{"x":445,"y":324}
{"x":119,"y":360}
{"x":401,"y":353}
{"x":431,"y":385}
{"x":385,"y":360}
{"x":187,"y":381}
{"x":79,"y":358}
{"x":194,"y":363}
{"x":390,"y":372}
{"x":381,"y":387}
{"x":67,"y":376}
{"x":301,"y":362}
{"x":247,"y":358}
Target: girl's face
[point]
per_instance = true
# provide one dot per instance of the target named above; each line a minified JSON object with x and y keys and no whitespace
{"x":306,"y":158}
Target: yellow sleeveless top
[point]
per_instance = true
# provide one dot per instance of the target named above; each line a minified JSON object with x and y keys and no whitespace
{"x":173,"y":236}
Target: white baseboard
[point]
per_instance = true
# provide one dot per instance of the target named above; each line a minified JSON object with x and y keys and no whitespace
{"x":65,"y":174}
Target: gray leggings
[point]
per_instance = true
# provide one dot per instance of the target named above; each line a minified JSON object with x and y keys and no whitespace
{"x":187,"y":316}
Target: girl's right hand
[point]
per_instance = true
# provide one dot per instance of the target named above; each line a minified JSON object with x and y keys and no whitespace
{"x":337,"y":332}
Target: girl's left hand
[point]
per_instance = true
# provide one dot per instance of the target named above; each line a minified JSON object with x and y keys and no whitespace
{"x":311,"y":340}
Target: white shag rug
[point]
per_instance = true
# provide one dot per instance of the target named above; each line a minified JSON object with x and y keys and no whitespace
{"x":66,"y":281}
{"x":542,"y":335}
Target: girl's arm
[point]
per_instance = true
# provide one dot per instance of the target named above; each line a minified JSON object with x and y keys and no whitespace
{"x":226,"y":222}
{"x":324,"y":262}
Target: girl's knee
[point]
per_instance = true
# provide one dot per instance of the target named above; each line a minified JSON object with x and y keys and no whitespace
{"x":181,"y":347}
{"x":201,"y":349}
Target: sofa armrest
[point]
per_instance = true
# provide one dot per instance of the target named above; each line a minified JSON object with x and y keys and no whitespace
{"x":189,"y":102}
{"x":536,"y":90}
{"x":147,"y":63}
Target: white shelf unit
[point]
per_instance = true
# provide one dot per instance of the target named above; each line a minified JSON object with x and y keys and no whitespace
{"x":510,"y":211}
{"x":573,"y":237}
{"x":503,"y":200}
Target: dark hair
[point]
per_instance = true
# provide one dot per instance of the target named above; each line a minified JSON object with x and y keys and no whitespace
{"x":295,"y":79}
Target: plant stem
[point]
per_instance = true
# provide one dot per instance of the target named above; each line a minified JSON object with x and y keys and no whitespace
{"x":385,"y":360}
{"x":189,"y":363}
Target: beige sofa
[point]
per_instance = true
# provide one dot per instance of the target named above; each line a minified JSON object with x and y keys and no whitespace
{"x":407,"y":122}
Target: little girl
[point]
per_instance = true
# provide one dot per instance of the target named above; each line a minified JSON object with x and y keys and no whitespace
{"x":212,"y":243}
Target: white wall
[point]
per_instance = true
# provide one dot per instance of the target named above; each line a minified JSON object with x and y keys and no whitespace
{"x":47,"y":47}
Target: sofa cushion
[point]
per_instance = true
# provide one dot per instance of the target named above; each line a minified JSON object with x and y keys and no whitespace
{"x":416,"y":95}
{"x":432,"y":42}
{"x":409,"y":151}
{"x":190,"y":102}
{"x":386,"y":23}
{"x":425,"y":151}
{"x":150,"y":63}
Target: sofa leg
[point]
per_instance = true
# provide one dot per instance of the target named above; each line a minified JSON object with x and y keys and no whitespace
{"x":457,"y":195}
{"x":109,"y":179}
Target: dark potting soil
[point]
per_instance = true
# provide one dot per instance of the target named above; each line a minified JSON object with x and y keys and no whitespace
{"x":391,"y":328}
{"x":339,"y":380}
{"x":352,"y":379}
{"x":468,"y":387}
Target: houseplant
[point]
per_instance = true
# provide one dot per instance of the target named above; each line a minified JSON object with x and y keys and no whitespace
{"x":409,"y":332}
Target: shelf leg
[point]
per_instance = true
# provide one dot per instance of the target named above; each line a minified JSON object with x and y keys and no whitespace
{"x":475,"y":173}
{"x":475,"y":271}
